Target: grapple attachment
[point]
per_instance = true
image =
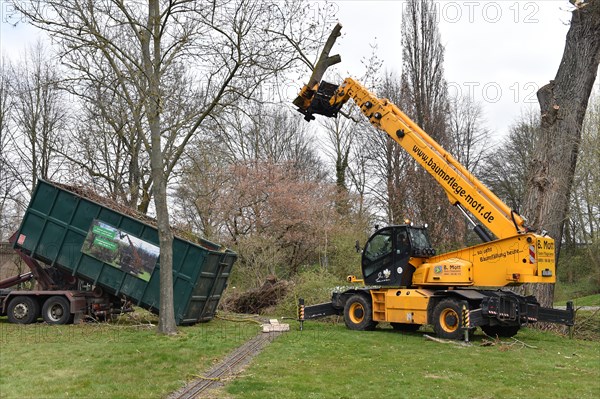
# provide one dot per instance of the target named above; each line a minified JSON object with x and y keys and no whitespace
{"x":320,"y":102}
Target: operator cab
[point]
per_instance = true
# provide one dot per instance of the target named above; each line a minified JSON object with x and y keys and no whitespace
{"x":385,"y":259}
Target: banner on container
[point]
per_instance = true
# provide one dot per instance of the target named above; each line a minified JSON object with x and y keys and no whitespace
{"x":120,"y":249}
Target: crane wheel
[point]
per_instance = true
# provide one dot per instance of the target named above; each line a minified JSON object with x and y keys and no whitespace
{"x":358,"y":313}
{"x":447,"y":319}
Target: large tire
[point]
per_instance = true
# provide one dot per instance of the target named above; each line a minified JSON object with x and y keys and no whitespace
{"x":358,"y":313}
{"x":448,"y":320}
{"x":23,"y":310}
{"x":57,"y":310}
{"x":405,"y":327}
{"x":501,"y":331}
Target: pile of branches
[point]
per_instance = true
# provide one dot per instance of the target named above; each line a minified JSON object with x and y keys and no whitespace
{"x":587,"y":325}
{"x":257,"y":300}
{"x":90,"y":194}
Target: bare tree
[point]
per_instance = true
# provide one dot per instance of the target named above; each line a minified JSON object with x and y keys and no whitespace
{"x":107,"y":139}
{"x":256,"y":131}
{"x":6,"y":182}
{"x":563,"y":104}
{"x":261,"y":187}
{"x":258,"y":134}
{"x":32,"y":118}
{"x":504,"y":170}
{"x":39,"y":117}
{"x":347,"y":140}
{"x":205,"y":173}
{"x":395,"y":164}
{"x":351,"y":146}
{"x":5,"y":107}
{"x":338,"y":146}
{"x":583,"y":225}
{"x":425,"y":92}
{"x":467,"y":134}
{"x":234,"y":46}
{"x":360,"y":176}
{"x":278,"y":205}
{"x":424,"y":97}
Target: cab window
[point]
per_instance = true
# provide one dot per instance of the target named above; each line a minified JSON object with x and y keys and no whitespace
{"x":402,"y":242}
{"x":379,"y":245}
{"x":419,"y":238}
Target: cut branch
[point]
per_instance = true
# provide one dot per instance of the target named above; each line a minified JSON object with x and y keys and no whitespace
{"x":325,"y":61}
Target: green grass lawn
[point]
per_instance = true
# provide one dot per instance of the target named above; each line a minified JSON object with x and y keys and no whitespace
{"x":330,"y":361}
{"x":588,"y":300}
{"x":325,"y":361}
{"x":575,"y":291}
{"x":109,"y":360}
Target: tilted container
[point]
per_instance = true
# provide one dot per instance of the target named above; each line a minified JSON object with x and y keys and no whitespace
{"x":120,"y":253}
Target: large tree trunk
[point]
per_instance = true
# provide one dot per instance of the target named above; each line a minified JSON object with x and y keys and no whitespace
{"x":152,"y":62}
{"x":563,"y":104}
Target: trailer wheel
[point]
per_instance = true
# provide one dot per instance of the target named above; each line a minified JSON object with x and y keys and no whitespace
{"x":23,"y":310}
{"x":57,"y":310}
{"x":501,"y":331}
{"x":405,"y":327}
{"x":447,"y":319}
{"x":358,"y":313}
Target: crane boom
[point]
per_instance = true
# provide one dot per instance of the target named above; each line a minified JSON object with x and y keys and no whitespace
{"x":461,"y":186}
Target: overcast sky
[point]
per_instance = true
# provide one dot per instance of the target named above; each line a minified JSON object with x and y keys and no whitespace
{"x":500,"y":51}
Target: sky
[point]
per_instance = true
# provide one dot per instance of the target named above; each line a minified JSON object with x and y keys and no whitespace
{"x":500,"y":52}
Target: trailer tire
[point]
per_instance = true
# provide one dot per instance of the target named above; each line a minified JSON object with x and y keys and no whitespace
{"x":23,"y":309}
{"x":447,"y":319}
{"x":358,"y":313}
{"x":57,"y":310}
{"x":501,"y":331}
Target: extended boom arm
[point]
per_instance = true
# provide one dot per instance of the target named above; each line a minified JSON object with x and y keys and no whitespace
{"x":462,"y":188}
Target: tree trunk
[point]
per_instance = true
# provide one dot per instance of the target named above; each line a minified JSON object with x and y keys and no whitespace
{"x":152,"y":62}
{"x":563,"y":103}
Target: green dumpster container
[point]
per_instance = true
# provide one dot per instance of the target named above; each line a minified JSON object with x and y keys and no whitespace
{"x":121,"y":254}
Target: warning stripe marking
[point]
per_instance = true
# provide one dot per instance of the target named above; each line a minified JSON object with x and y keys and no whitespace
{"x":531,"y":254}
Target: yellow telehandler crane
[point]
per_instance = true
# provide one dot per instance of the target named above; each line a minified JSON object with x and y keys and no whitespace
{"x":405,"y":282}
